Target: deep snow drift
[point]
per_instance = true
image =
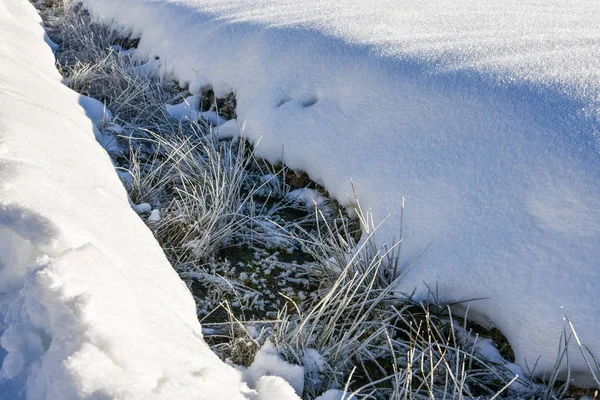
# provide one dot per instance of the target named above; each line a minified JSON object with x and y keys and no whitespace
{"x":89,"y":305}
{"x":483,"y":115}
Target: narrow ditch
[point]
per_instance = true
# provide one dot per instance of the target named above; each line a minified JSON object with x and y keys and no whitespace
{"x":263,"y":250}
{"x":243,"y":234}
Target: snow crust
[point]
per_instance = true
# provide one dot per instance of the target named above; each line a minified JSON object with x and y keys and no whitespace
{"x":89,"y":305}
{"x":484,"y":115}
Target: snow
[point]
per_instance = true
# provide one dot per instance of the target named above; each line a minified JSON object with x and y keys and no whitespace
{"x":89,"y":305}
{"x":273,"y":388}
{"x":268,"y":363}
{"x":97,"y":112}
{"x":189,"y":108}
{"x":227,"y":129}
{"x":142,"y":208}
{"x":307,"y":198}
{"x":483,"y":115}
{"x":334,"y":394}
{"x":154,"y":216}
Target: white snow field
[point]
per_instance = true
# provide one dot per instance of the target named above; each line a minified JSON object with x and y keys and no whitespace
{"x":484,"y":115}
{"x":89,"y":306}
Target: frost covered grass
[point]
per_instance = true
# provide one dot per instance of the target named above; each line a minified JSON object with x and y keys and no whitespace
{"x":361,"y":336}
{"x":220,"y":229}
{"x":266,"y":259}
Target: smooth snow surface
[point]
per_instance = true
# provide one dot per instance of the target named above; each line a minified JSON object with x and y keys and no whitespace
{"x":484,"y":115}
{"x":89,"y":305}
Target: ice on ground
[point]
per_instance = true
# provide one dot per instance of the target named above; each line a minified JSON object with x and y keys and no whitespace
{"x":484,"y":116}
{"x":89,"y":305}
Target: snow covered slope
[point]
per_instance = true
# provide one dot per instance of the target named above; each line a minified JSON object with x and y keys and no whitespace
{"x":485,"y":115}
{"x":89,"y":305}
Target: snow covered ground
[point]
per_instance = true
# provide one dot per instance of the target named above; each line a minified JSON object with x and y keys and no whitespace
{"x":89,"y":305}
{"x":484,"y":115}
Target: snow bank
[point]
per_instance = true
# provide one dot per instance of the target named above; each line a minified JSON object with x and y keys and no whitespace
{"x":89,"y":305}
{"x":483,"y":115}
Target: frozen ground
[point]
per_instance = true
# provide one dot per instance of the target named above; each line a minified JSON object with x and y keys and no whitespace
{"x":89,"y":305}
{"x":484,"y":116}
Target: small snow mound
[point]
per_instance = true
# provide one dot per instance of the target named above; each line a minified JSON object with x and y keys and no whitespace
{"x":227,"y":129}
{"x":308,"y":198}
{"x":267,"y":362}
{"x":142,"y":208}
{"x":275,"y":388}
{"x":187,"y":109}
{"x":94,"y":109}
{"x":334,"y":394}
{"x":154,"y":216}
{"x":488,"y":349}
